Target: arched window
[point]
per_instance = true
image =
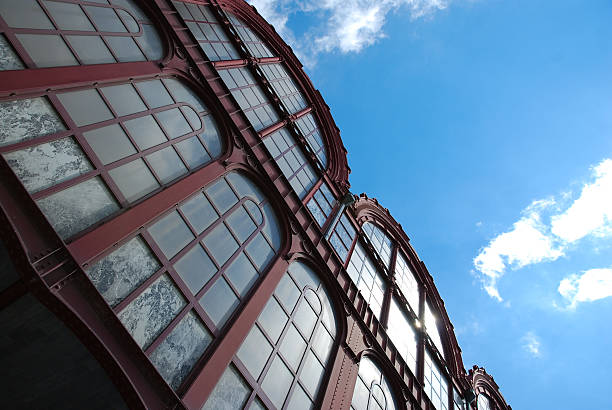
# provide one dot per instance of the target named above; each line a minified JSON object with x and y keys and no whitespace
{"x":381,"y":242}
{"x":369,"y":281}
{"x":431,"y":325}
{"x":84,"y":154}
{"x":54,"y":33}
{"x":436,"y":386}
{"x":372,"y":391}
{"x":176,"y":283}
{"x":407,"y":282}
{"x":402,"y":334}
{"x":282,"y":361}
{"x":484,"y":403}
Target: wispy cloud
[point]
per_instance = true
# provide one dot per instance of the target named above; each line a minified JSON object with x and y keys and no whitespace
{"x":547,"y":228}
{"x":531,"y":344}
{"x":591,"y":285}
{"x":345,"y":25}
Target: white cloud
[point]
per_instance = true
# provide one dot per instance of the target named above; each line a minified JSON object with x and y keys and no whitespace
{"x":547,"y":228}
{"x":346,"y":25}
{"x":531,"y":344}
{"x":593,"y":284}
{"x":526,"y":243}
{"x":591,"y":213}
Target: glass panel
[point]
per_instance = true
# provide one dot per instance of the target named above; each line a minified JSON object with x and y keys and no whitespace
{"x":322,"y":343}
{"x":147,"y":315}
{"x":134,"y":180}
{"x":171,"y":234}
{"x":199,"y":212}
{"x":311,"y":374}
{"x":154,"y":93}
{"x":273,"y":319}
{"x":231,"y":392}
{"x":193,"y":152}
{"x":277,"y":382}
{"x":211,"y":137}
{"x":125,"y":49}
{"x":9,"y":60}
{"x":287,"y":292}
{"x":195,"y":269}
{"x":42,"y":166}
{"x":184,"y":94}
{"x":109,"y":143}
{"x":370,"y":377}
{"x":120,"y":272}
{"x":192,"y":117}
{"x":78,"y":207}
{"x":241,"y":224}
{"x":407,"y":282}
{"x":24,"y":14}
{"x":305,"y":318}
{"x":178,"y":353}
{"x":368,"y":280}
{"x":293,"y":347}
{"x":151,"y":43}
{"x":219,"y":302}
{"x":173,"y":122}
{"x":105,"y":19}
{"x":242,"y":274}
{"x":401,"y":333}
{"x":90,"y":49}
{"x":145,"y":132}
{"x":254,"y":352}
{"x":431,"y":325}
{"x":26,"y":119}
{"x":68,"y":16}
{"x":221,"y":195}
{"x":85,"y":107}
{"x":124,"y":99}
{"x":381,"y":242}
{"x":47,"y":50}
{"x":299,"y":400}
{"x":166,"y":164}
{"x":220,"y":243}
{"x":260,"y":251}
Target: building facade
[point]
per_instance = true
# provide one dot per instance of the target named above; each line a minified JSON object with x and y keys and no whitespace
{"x":178,"y":232}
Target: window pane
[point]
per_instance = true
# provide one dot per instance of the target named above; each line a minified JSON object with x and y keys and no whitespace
{"x":109,"y":143}
{"x":322,"y":343}
{"x":401,"y":333}
{"x":221,"y":244}
{"x":24,"y":14}
{"x":193,"y":152}
{"x":305,"y":318}
{"x":260,"y":251}
{"x":287,"y":292}
{"x":171,"y":234}
{"x":154,"y":93}
{"x":277,"y":382}
{"x":195,"y":269}
{"x":231,"y":392}
{"x":299,"y":400}
{"x":241,"y":224}
{"x":242,"y":274}
{"x":147,"y":315}
{"x":221,"y":195}
{"x":311,"y":374}
{"x":199,"y":212}
{"x":78,"y":207}
{"x":105,"y":19}
{"x":125,"y":48}
{"x":120,"y":272}
{"x":124,"y":99}
{"x":173,"y":122}
{"x":293,"y":347}
{"x":9,"y":60}
{"x":90,"y":49}
{"x":166,"y":164}
{"x":145,"y":132}
{"x":85,"y":107}
{"x":272,"y":319}
{"x":134,"y":180}
{"x":68,"y":16}
{"x":47,"y":50}
{"x":178,"y":353}
{"x":44,"y":165}
{"x":219,"y":302}
{"x":254,"y":352}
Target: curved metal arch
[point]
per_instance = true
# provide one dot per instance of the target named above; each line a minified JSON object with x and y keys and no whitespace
{"x":369,"y":210}
{"x":482,"y":382}
{"x":337,"y":168}
{"x":390,"y":373}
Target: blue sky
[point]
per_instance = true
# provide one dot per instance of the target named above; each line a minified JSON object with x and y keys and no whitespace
{"x":485,"y":126}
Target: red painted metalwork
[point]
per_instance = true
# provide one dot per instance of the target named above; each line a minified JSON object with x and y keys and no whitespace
{"x":53,"y":270}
